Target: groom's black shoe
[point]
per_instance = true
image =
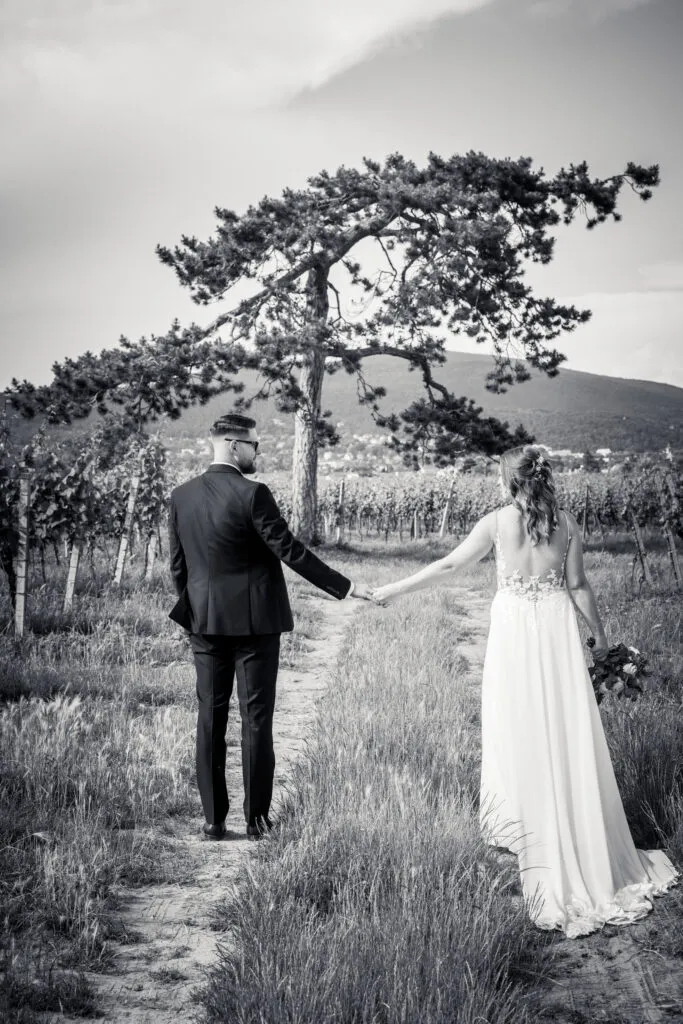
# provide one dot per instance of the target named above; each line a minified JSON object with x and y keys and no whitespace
{"x":259,"y":828}
{"x":217,"y":831}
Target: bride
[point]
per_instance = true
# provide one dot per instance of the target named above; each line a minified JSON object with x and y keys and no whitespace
{"x":548,"y":791}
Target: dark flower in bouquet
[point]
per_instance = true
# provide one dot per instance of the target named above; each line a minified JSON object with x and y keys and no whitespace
{"x":622,"y":672}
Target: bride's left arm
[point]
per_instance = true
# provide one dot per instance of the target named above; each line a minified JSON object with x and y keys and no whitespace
{"x":475,"y":546}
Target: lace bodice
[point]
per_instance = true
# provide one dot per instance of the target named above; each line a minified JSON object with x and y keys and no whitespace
{"x":533,"y":588}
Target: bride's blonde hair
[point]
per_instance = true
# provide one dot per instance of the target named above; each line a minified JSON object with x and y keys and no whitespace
{"x":528,"y":475}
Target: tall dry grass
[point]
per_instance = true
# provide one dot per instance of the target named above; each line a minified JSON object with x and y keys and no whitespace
{"x":79,"y":782}
{"x":374,"y":912}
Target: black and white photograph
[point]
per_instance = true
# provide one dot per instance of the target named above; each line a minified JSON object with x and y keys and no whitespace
{"x":341,"y":512}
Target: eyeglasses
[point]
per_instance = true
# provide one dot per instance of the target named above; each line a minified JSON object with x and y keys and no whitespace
{"x":244,"y":440}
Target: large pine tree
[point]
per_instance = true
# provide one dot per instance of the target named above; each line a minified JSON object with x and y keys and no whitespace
{"x":388,"y":260}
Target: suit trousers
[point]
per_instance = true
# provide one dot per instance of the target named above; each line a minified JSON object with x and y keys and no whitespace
{"x":254,"y":661}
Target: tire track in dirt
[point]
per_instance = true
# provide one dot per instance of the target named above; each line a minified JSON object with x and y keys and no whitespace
{"x":616,"y":975}
{"x":155,"y":977}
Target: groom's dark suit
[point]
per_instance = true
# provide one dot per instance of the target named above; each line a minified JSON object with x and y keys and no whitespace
{"x":227,"y":540}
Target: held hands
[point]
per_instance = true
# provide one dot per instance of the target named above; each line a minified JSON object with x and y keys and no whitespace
{"x":384,"y":595}
{"x":375,"y":594}
{"x":362,"y":591}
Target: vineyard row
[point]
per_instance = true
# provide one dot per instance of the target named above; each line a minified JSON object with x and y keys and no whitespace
{"x":114,"y":488}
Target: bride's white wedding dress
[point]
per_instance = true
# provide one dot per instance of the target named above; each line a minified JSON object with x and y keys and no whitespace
{"x":548,"y":791}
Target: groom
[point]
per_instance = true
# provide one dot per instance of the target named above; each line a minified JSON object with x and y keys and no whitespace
{"x":227,"y":540}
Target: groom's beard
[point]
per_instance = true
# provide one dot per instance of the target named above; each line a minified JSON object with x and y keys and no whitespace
{"x":248,"y":470}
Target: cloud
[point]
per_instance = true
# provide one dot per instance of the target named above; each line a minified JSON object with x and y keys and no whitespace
{"x":242,"y":55}
{"x":590,"y":10}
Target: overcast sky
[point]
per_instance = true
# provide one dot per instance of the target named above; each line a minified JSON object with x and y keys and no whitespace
{"x":126,"y":121}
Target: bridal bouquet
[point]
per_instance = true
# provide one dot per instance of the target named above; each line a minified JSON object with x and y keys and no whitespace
{"x":621,"y":672}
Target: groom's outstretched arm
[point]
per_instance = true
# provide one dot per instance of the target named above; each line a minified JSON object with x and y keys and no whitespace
{"x":274,"y":531}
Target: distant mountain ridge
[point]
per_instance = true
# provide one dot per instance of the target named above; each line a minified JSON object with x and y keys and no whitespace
{"x":574,"y":410}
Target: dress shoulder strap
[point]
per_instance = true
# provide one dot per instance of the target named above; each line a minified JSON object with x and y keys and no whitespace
{"x":569,"y":537}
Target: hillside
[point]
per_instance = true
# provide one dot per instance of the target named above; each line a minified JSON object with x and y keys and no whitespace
{"x":574,"y":410}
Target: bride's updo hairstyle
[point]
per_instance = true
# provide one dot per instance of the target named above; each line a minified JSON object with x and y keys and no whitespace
{"x":528,"y":475}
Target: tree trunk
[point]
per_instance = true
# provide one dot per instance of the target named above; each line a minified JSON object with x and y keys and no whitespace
{"x":305,"y":459}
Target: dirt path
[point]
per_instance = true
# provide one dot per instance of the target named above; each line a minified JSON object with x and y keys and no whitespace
{"x":157,"y":973}
{"x":615,"y":976}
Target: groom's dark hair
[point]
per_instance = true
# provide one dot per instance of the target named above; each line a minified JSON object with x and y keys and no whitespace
{"x":233,"y":424}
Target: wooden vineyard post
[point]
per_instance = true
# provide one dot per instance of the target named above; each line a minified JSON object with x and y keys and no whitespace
{"x":600,"y":526}
{"x":22,"y":554}
{"x":668,"y":533}
{"x":640,"y":547}
{"x":74,"y":559}
{"x":340,"y":514}
{"x":447,"y":509}
{"x":416,"y":524}
{"x":674,"y":556}
{"x":586,"y":505}
{"x":150,"y":554}
{"x":128,"y":522}
{"x":589,"y":510}
{"x":672,"y":489}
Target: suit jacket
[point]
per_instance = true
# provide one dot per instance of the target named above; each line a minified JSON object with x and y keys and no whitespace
{"x":227,"y":540}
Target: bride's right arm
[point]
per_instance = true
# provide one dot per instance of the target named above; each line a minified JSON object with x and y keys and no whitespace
{"x":475,"y":546}
{"x":581,"y":591}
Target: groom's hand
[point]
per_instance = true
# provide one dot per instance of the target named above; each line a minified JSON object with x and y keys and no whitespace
{"x":362,"y":591}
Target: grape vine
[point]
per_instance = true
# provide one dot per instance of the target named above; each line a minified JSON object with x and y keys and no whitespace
{"x":79,"y":490}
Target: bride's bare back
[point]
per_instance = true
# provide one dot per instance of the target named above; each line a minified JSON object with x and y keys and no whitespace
{"x":518,"y":555}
